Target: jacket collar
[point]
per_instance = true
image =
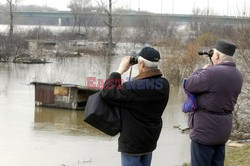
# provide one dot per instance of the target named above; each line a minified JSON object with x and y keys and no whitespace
{"x":150,"y":73}
{"x":228,"y":63}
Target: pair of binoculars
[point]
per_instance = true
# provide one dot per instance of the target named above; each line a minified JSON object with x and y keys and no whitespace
{"x":133,"y":60}
{"x":209,"y":52}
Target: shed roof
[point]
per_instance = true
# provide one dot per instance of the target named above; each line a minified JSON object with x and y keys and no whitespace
{"x":65,"y":85}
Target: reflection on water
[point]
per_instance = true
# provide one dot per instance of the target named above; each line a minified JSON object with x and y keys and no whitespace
{"x":68,"y":122}
{"x":41,"y":136}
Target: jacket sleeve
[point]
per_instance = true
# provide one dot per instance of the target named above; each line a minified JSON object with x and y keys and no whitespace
{"x":198,"y":82}
{"x":115,"y":93}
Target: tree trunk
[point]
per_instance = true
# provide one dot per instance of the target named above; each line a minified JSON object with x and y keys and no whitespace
{"x":11,"y":20}
{"x":110,"y":46}
{"x":79,"y":24}
{"x":110,"y":28}
{"x":74,"y":25}
{"x":10,"y":37}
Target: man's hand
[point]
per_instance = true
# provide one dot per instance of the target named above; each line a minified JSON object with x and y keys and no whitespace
{"x":207,"y":65}
{"x":124,"y":65}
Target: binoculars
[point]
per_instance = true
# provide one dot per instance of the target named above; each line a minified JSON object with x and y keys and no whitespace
{"x":209,"y":52}
{"x":133,"y":60}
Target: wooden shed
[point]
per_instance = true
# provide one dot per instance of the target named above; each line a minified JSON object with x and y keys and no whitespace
{"x":61,"y":95}
{"x":34,"y":45}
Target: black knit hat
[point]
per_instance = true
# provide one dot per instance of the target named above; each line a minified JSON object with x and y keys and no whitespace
{"x":225,"y":47}
{"x":150,"y":54}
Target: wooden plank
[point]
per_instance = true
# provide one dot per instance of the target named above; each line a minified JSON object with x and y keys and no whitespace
{"x":44,"y":94}
{"x":61,"y":91}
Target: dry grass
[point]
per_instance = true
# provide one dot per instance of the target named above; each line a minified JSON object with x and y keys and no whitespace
{"x":235,"y":156}
{"x":238,"y":156}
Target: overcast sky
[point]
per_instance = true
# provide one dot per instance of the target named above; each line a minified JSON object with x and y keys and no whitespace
{"x":221,"y":7}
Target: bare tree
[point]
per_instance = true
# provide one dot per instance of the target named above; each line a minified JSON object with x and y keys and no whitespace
{"x":145,"y":29}
{"x":109,"y":24}
{"x":242,"y":38}
{"x":110,"y":27}
{"x":3,"y":47}
{"x":7,"y":47}
{"x":78,"y":8}
{"x":12,"y":4}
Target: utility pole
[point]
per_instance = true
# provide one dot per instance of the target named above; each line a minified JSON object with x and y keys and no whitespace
{"x":227,"y":7}
{"x":207,"y":7}
{"x":130,"y":5}
{"x":139,"y":5}
{"x":172,"y":6}
{"x":194,"y":5}
{"x":161,"y":6}
{"x":244,"y":10}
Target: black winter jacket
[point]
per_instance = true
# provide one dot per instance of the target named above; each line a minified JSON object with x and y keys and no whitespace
{"x":143,"y":101}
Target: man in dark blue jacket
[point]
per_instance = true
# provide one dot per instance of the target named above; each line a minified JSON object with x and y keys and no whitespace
{"x":217,"y":88}
{"x":144,"y":100}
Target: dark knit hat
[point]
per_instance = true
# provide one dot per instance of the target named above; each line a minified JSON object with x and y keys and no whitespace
{"x":150,"y":54}
{"x":225,"y":47}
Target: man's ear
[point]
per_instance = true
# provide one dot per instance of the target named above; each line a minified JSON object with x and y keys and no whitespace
{"x":217,"y":56}
{"x":143,"y":65}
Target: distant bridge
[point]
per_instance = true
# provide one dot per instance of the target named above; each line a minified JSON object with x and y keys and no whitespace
{"x":132,"y":19}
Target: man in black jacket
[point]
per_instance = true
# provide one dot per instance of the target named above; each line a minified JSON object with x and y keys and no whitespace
{"x":143,"y":101}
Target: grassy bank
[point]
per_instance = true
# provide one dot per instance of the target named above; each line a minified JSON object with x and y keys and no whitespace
{"x":236,"y":156}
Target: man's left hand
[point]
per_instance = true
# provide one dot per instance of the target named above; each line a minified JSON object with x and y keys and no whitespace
{"x":207,"y":65}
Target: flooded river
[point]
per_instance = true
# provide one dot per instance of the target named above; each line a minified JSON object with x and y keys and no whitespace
{"x":36,"y":136}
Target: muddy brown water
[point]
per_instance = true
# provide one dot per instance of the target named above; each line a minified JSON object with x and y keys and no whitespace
{"x":38,"y":136}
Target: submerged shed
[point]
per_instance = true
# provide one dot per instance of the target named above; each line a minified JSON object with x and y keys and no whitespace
{"x":61,"y":95}
{"x":34,"y":45}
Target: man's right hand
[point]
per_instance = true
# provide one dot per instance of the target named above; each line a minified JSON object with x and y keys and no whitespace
{"x":124,"y":65}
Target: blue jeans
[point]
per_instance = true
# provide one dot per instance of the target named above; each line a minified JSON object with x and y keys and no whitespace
{"x":136,"y":160}
{"x":207,"y":155}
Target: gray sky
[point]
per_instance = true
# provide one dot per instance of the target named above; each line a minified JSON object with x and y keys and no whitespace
{"x":221,"y":7}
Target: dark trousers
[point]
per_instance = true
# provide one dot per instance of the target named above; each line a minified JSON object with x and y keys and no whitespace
{"x":207,"y":155}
